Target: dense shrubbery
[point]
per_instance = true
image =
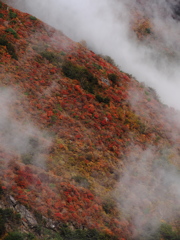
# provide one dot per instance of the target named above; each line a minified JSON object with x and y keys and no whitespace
{"x":9,"y":47}
{"x":1,"y":192}
{"x":148,"y":30}
{"x":52,"y":57}
{"x":27,"y":158}
{"x":56,"y":58}
{"x":113,"y":77}
{"x":14,"y":236}
{"x":167,"y":232}
{"x":132,"y":120}
{"x":97,"y":66}
{"x":108,"y":205}
{"x":108,"y":59}
{"x":32,"y":18}
{"x":90,"y":234}
{"x":87,"y":80}
{"x":2,"y":226}
{"x":82,"y":181}
{"x":101,"y":99}
{"x":7,"y":215}
{"x":12,"y":14}
{"x":12,"y":31}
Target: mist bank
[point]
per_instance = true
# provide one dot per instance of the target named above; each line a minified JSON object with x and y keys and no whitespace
{"x":148,"y":191}
{"x":18,"y":134}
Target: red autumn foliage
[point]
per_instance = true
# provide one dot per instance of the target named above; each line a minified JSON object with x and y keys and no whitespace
{"x":89,"y":137}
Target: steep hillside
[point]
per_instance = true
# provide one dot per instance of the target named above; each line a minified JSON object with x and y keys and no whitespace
{"x":85,"y":148}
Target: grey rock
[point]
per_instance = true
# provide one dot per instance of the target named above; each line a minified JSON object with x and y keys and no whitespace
{"x":12,"y":201}
{"x":27,"y":215}
{"x":106,"y":81}
{"x":50,"y":223}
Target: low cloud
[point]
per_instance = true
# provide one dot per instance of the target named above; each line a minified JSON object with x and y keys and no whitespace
{"x":18,"y":135}
{"x":148,"y":192}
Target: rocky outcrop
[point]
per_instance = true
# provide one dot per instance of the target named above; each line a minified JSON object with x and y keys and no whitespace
{"x":27,"y":217}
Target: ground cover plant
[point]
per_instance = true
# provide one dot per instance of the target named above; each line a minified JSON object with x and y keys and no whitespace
{"x":74,"y":127}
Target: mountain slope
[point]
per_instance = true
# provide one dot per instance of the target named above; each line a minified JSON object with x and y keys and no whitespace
{"x":71,"y":121}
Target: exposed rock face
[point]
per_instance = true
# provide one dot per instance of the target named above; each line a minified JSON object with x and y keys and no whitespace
{"x":26,"y":215}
